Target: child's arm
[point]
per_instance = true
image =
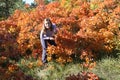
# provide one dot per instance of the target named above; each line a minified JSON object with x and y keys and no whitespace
{"x":41,"y":34}
{"x":42,"y":39}
{"x":55,"y":28}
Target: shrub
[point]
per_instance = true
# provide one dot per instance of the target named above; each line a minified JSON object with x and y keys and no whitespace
{"x":83,"y":76}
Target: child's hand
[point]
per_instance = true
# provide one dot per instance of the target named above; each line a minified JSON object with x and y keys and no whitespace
{"x":51,"y":38}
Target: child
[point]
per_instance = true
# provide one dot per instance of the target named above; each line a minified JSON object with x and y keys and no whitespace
{"x":47,"y":35}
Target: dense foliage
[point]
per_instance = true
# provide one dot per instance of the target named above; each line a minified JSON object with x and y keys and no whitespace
{"x":83,"y":76}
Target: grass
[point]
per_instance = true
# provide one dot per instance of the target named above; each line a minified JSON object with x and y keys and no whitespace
{"x":106,"y":69}
{"x":55,"y":71}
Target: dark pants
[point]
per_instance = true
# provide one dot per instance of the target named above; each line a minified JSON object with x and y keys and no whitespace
{"x":44,"y":48}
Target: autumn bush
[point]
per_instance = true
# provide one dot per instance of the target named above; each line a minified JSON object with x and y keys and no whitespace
{"x":87,"y":33}
{"x":87,"y":30}
{"x":8,"y":35}
{"x":83,"y":76}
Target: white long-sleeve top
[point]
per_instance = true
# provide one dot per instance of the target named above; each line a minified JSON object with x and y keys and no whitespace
{"x":49,"y":33}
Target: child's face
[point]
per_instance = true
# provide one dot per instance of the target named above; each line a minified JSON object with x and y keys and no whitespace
{"x":47,"y":24}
